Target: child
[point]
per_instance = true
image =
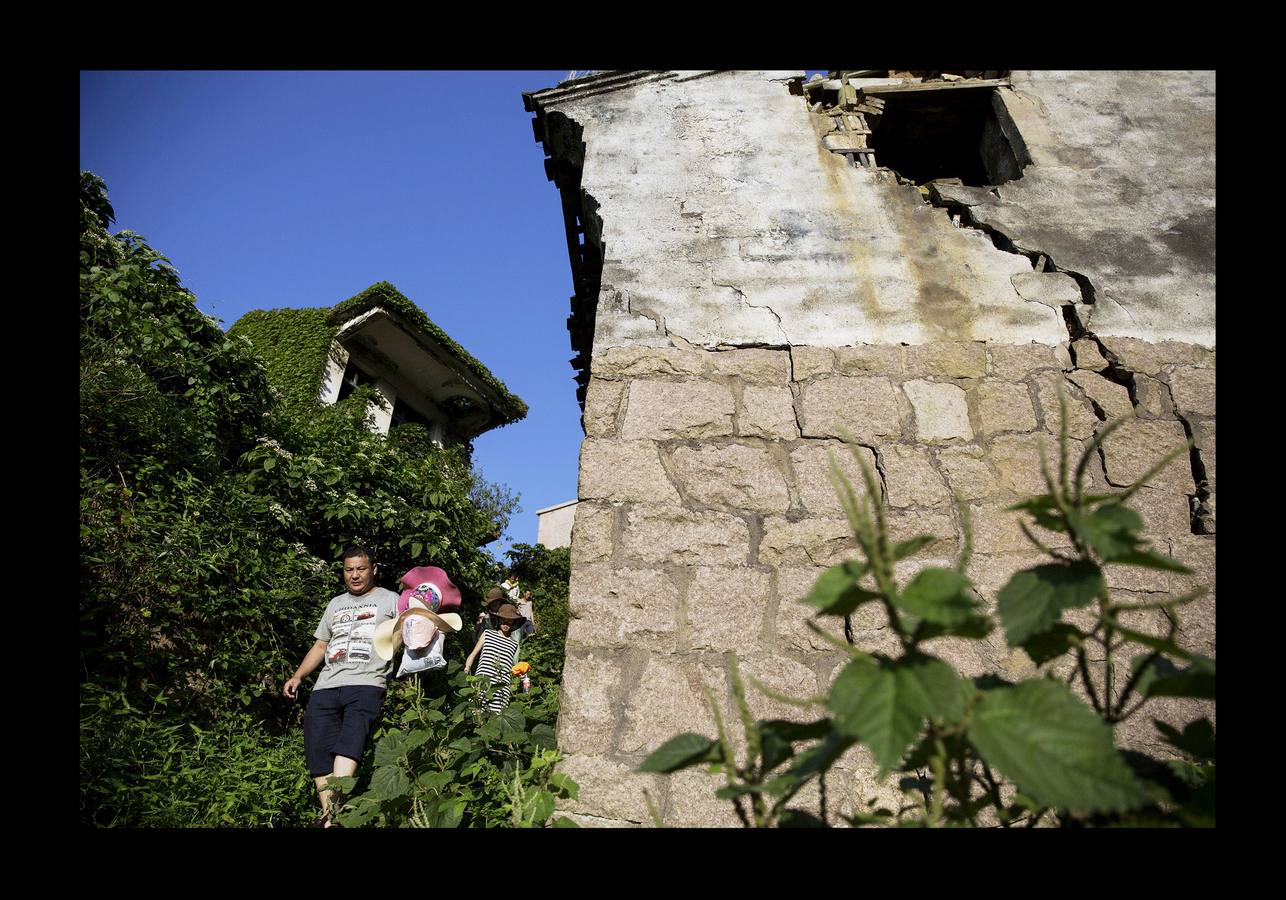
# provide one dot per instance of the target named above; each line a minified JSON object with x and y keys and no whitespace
{"x":497,"y":654}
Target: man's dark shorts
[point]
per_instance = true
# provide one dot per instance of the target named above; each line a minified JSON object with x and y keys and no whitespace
{"x":338,"y":722}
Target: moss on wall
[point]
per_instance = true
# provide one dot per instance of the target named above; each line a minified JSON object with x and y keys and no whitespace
{"x":294,"y":344}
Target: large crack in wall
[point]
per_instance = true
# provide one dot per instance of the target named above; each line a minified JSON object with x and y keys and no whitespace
{"x":958,"y":201}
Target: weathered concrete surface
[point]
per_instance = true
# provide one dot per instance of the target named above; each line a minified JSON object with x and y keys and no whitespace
{"x":725,"y":222}
{"x":1122,"y":190}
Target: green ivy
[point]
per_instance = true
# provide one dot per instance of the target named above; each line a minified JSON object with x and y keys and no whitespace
{"x":212,"y":515}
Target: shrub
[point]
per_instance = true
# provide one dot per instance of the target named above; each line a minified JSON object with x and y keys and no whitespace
{"x":985,"y":750}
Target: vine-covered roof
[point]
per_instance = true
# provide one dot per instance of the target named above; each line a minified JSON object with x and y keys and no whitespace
{"x":294,"y":343}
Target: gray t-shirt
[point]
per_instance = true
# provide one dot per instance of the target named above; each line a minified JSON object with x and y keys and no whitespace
{"x":348,"y":627}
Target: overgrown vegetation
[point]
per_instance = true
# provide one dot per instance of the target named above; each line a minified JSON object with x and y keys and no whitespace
{"x":985,"y":751}
{"x":212,"y":515}
{"x":546,"y":573}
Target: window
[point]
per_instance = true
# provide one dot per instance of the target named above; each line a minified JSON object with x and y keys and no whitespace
{"x":354,"y":377}
{"x":403,"y":414}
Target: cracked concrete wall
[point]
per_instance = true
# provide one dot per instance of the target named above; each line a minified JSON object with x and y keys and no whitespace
{"x":758,"y":297}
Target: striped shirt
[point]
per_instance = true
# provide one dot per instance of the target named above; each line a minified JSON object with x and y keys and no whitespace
{"x":496,"y":661}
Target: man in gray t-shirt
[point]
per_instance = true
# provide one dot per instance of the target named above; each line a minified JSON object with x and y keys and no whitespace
{"x":348,"y":696}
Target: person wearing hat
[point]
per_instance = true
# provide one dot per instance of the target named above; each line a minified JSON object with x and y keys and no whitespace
{"x":497,"y":653}
{"x":349,"y":693}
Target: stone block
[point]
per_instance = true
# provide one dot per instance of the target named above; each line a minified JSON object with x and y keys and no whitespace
{"x":1081,"y":420}
{"x":602,"y":403}
{"x":867,"y":408}
{"x":1053,"y":289}
{"x":1017,"y":459}
{"x":1197,"y":625}
{"x":768,"y":412}
{"x":809,"y":361}
{"x":1014,"y":362}
{"x":655,"y":534}
{"x":910,"y":477}
{"x":668,"y":700}
{"x":997,"y":530}
{"x":1151,"y":358}
{"x":904,"y":524}
{"x":693,"y":803}
{"x":1153,"y":398}
{"x":967,"y":471}
{"x":727,"y":608}
{"x":623,"y":471}
{"x":947,"y":359}
{"x":990,"y":571}
{"x":737,"y":476}
{"x":635,"y":362}
{"x":1197,"y":552}
{"x":968,"y":657}
{"x":592,"y":532}
{"x":874,"y":359}
{"x":785,"y":676}
{"x":1193,"y":390}
{"x":793,"y":633}
{"x":808,"y":542}
{"x":811,"y":462}
{"x":941,"y":413}
{"x":608,"y":790}
{"x":588,"y":710}
{"x":1136,"y":578}
{"x":661,"y":410}
{"x":1164,"y":513}
{"x":1088,"y":356}
{"x":613,"y":607}
{"x":753,"y":365}
{"x":1112,"y":398}
{"x":1131,"y":450}
{"x":1004,"y":406}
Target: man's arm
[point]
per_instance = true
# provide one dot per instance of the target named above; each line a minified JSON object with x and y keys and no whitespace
{"x":314,"y":658}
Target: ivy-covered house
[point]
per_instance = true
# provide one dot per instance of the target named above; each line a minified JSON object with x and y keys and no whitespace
{"x":380,"y":337}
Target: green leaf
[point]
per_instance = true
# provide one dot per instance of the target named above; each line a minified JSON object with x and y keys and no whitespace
{"x":389,"y":783}
{"x":903,"y":549}
{"x":1164,"y":679}
{"x":799,"y":818}
{"x":1112,"y":530}
{"x":1197,"y":738}
{"x":391,"y":748}
{"x":270,"y":463}
{"x":682,"y":751}
{"x":776,"y":737}
{"x":564,"y":822}
{"x":543,"y":736}
{"x":1034,"y":599}
{"x":884,"y":703}
{"x":1052,"y":643}
{"x":973,"y":627}
{"x":836,"y":592}
{"x":1054,"y":748}
{"x":564,"y":785}
{"x":416,"y":549}
{"x":938,"y":595}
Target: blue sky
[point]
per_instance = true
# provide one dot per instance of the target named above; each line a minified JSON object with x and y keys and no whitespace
{"x":272,"y":189}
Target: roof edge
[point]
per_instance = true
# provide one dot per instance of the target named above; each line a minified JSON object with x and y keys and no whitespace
{"x":601,"y":83}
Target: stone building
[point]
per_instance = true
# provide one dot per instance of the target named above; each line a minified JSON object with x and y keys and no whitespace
{"x":920,"y":259}
{"x":380,"y":338}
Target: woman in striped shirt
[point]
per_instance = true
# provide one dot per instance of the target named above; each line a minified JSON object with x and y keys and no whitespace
{"x":497,"y":654}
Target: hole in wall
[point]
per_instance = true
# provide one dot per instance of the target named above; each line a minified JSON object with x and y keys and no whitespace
{"x":932,"y":134}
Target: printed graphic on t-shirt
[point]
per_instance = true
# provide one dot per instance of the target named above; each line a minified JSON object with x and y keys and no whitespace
{"x":352,"y":629}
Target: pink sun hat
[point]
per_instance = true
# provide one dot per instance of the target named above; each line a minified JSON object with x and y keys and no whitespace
{"x":432,"y":587}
